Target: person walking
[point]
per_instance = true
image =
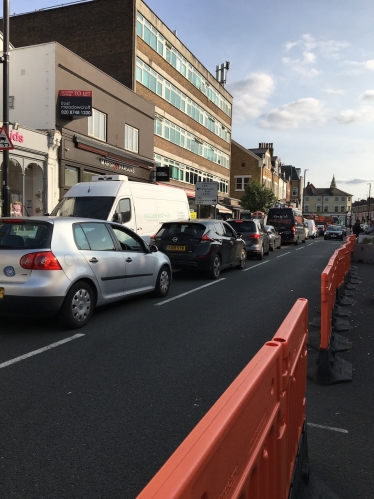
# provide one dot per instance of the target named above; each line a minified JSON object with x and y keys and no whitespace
{"x":357,"y":229}
{"x":370,"y":229}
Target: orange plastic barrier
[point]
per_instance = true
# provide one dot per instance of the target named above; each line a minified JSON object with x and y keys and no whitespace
{"x":328,"y":293}
{"x":246,"y":445}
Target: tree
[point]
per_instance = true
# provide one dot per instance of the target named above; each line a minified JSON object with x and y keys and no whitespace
{"x":257,"y":197}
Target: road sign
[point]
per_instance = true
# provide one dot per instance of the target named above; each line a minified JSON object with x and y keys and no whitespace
{"x":5,"y":142}
{"x":206,"y":193}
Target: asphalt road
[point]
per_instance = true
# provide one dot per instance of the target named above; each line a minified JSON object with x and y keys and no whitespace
{"x":96,"y":412}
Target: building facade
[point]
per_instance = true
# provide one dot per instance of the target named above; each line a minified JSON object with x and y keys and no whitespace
{"x":329,"y":201}
{"x":116,"y":138}
{"x":125,"y":39}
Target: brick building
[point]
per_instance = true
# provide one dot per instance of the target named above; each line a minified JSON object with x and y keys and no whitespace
{"x":126,"y":40}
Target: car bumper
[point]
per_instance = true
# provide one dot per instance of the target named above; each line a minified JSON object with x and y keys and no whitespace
{"x":30,"y":306}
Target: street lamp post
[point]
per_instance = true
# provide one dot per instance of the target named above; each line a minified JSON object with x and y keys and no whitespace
{"x":369,"y":210}
{"x":5,"y":62}
{"x":303,"y":204}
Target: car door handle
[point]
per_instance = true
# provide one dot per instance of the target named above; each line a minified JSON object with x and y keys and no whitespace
{"x":94,"y":260}
{"x":128,"y":260}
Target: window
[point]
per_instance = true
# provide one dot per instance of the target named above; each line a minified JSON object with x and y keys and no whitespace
{"x":319,"y":198}
{"x":325,"y":209}
{"x":241,"y":183}
{"x":306,"y":198}
{"x":71,"y":176}
{"x":122,"y":213}
{"x":336,"y":198}
{"x":326,"y":198}
{"x":306,"y":208}
{"x":336,"y":209}
{"x":97,"y":125}
{"x":318,"y":208}
{"x":295,"y":191}
{"x":342,"y":209}
{"x":87,"y":176}
{"x":127,"y":241}
{"x":96,"y":234}
{"x":343,"y":198}
{"x":131,"y":138}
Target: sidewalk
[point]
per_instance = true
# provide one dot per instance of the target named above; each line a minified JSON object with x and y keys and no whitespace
{"x":340,"y":416}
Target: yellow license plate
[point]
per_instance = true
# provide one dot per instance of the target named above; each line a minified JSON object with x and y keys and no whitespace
{"x":2,"y":292}
{"x":176,"y":248}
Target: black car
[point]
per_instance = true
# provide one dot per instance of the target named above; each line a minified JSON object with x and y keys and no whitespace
{"x":255,"y":236}
{"x":334,"y":232}
{"x":209,"y":245}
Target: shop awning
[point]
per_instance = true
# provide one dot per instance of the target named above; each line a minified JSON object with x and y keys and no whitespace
{"x":190,"y":192}
{"x":223,"y":209}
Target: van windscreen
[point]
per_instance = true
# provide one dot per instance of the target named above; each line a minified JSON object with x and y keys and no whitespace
{"x":280,"y":217}
{"x":85,"y":207}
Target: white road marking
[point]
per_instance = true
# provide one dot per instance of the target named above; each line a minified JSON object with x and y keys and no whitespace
{"x":189,"y":292}
{"x":36,"y":352}
{"x":254,"y":266}
{"x":298,"y":249}
{"x":340,"y":430}
{"x":280,"y":256}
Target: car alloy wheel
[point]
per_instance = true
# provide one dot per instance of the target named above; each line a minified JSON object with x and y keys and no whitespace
{"x":243,"y":259}
{"x":78,"y":306}
{"x":216,"y":267}
{"x":163,"y":282}
{"x":260,"y":255}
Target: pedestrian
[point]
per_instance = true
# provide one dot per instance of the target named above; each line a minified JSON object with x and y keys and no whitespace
{"x":370,"y":229}
{"x":357,"y":229}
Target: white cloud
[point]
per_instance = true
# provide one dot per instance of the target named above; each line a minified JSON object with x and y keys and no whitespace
{"x":364,"y":114}
{"x":367,"y":95}
{"x":327,"y":48}
{"x":300,"y":66}
{"x":369,"y":65}
{"x":250,"y":95}
{"x":355,"y":181}
{"x":333,"y":91}
{"x":295,"y":114}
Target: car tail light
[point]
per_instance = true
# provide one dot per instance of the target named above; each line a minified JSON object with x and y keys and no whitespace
{"x":43,"y":260}
{"x":254,"y":236}
{"x":206,"y":239}
{"x":293,"y":229}
{"x":152,"y":238}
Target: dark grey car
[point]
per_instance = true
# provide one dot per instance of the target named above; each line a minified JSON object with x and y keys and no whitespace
{"x":255,"y":236}
{"x":275,"y":237}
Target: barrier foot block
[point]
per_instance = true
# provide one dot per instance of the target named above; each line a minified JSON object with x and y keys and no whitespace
{"x":300,"y":475}
{"x":349,"y":286}
{"x":316,"y":322}
{"x":341,"y":325}
{"x":344,"y":301}
{"x":314,"y":339}
{"x":329,"y":369}
{"x":339,"y":343}
{"x":316,"y":488}
{"x":354,"y":281}
{"x":341,"y":311}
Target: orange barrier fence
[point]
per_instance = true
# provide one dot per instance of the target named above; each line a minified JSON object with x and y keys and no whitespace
{"x":248,"y":444}
{"x":329,"y":368}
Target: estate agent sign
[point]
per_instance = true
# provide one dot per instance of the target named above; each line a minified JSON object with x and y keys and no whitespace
{"x":75,"y":103}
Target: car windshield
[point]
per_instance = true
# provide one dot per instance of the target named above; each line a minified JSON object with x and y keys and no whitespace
{"x":84,"y":207}
{"x":20,"y":234}
{"x":332,"y":228}
{"x":242,"y":225}
{"x":181,"y":229}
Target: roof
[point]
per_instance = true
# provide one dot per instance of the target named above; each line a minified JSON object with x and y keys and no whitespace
{"x":310,"y":190}
{"x":249,"y":151}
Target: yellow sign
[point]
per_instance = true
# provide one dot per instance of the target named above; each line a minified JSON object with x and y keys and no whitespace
{"x":2,"y":290}
{"x":193,"y":214}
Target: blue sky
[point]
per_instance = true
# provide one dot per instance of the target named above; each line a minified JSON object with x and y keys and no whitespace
{"x":301,"y":73}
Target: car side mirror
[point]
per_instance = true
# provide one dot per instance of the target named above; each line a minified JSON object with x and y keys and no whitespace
{"x":153,"y":248}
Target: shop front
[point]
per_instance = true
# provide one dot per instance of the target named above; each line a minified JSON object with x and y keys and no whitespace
{"x":27,"y":172}
{"x":83,"y":158}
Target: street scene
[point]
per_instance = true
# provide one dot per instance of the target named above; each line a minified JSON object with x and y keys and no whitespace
{"x":186,"y":250}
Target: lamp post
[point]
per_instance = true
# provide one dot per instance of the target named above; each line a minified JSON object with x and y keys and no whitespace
{"x":303,"y":204}
{"x":5,"y":61}
{"x":369,"y":211}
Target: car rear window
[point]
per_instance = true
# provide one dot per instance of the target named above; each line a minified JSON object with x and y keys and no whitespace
{"x":30,"y":235}
{"x":242,"y":225}
{"x":181,"y":229}
{"x":280,"y":217}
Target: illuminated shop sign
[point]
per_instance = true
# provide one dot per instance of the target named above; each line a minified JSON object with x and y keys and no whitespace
{"x":117,"y":165}
{"x":75,"y":102}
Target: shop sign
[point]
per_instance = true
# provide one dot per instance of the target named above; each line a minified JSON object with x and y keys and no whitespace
{"x":162,"y":174}
{"x":117,"y":165}
{"x":75,"y":102}
{"x":207,"y":193}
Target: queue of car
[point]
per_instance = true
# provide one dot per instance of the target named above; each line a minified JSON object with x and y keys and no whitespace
{"x":67,"y":266}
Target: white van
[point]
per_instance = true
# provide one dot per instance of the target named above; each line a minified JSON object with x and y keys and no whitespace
{"x":312,"y":229}
{"x":140,"y":206}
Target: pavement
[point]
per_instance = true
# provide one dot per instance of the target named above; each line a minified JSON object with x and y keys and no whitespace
{"x":340,"y":416}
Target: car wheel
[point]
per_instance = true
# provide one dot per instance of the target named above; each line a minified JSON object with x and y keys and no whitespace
{"x":280,"y":245}
{"x":78,"y":306}
{"x":268,"y":251}
{"x":303,"y":241}
{"x":163,"y":282}
{"x":243,"y":259}
{"x":272,"y":247}
{"x":296,"y":242}
{"x":260,"y":255}
{"x":325,"y":238}
{"x":216,"y":267}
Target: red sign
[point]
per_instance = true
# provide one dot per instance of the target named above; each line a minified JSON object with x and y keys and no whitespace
{"x":75,"y":93}
{"x":5,"y":142}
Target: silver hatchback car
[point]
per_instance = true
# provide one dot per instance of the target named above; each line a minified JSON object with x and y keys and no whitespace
{"x":67,"y":266}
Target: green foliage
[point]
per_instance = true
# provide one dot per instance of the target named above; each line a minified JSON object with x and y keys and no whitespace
{"x":257,"y":197}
